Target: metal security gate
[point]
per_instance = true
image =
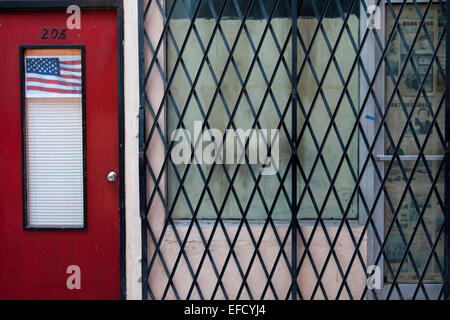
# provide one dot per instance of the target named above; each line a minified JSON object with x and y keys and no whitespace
{"x":333,"y":183}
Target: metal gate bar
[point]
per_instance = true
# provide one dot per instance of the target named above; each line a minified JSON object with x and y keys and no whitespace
{"x":294,"y":200}
{"x":446,"y":285}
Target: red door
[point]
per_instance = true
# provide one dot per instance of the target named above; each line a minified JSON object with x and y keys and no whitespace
{"x":49,"y":262}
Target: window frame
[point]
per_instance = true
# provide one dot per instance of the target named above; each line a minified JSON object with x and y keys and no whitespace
{"x":357,"y":221}
{"x":26,"y":225}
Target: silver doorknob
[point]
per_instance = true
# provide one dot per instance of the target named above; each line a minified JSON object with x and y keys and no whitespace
{"x":112,"y":176}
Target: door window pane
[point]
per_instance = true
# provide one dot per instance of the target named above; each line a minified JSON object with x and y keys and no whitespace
{"x":53,"y":142}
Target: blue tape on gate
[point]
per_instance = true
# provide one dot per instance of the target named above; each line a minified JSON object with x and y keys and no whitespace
{"x":370,"y":118}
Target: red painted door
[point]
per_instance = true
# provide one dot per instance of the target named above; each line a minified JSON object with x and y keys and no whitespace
{"x":34,"y":263}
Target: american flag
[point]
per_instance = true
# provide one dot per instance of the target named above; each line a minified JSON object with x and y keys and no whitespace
{"x":53,"y":76}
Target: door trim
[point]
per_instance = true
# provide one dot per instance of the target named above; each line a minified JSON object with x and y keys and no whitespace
{"x":22,"y":5}
{"x":24,"y":129}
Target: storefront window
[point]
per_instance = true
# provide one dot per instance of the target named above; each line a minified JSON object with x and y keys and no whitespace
{"x":426,"y":107}
{"x":220,"y":104}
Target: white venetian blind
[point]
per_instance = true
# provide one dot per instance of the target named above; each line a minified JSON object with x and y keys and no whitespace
{"x":54,"y":154}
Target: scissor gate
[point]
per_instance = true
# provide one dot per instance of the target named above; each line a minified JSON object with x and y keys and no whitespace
{"x":354,"y":204}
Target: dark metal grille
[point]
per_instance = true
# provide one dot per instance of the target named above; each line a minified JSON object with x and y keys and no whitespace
{"x":360,"y":104}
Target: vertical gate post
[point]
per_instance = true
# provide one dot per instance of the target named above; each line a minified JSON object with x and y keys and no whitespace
{"x":294,"y":150}
{"x":142,"y":168}
{"x":447,"y":165}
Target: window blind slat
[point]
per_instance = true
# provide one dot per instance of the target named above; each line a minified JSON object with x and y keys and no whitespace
{"x":54,"y":150}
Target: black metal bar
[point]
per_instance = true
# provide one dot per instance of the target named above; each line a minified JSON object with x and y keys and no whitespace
{"x":447,"y":167}
{"x":142,"y":169}
{"x":294,"y":12}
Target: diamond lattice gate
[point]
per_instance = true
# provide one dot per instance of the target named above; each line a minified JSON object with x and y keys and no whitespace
{"x":294,"y":149}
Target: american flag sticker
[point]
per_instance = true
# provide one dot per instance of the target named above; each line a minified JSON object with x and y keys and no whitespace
{"x":53,"y":76}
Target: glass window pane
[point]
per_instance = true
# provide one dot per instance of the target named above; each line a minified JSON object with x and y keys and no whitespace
{"x":54,"y":138}
{"x":253,"y":100}
{"x":426,"y":107}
